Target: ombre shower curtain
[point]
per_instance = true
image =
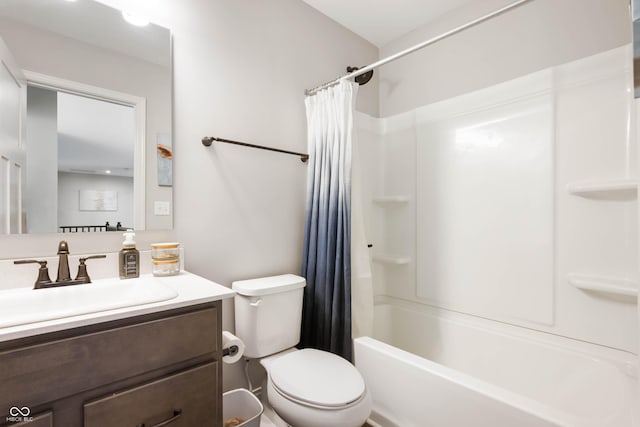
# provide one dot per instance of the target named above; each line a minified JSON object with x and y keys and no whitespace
{"x":326,"y":263}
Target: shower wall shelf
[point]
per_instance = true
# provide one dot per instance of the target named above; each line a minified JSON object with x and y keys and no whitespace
{"x":391,"y":259}
{"x":605,"y":285}
{"x":625,"y":187}
{"x":391,"y":200}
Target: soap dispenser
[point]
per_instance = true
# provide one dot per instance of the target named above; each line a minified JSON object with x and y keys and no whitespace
{"x":129,"y":257}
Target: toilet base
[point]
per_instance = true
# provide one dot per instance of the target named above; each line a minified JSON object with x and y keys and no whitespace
{"x":269,"y":416}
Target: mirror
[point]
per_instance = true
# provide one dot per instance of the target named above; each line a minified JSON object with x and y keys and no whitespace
{"x":96,"y":130}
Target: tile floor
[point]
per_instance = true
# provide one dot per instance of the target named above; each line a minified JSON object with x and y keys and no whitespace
{"x":266,"y":422}
{"x":266,"y":418}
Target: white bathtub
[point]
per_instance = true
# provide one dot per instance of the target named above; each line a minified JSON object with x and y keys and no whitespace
{"x":437,"y":368}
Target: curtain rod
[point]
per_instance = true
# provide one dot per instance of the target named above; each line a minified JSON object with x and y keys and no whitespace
{"x":419,"y":46}
{"x":208,"y":140}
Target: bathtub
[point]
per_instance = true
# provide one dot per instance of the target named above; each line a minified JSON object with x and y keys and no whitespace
{"x":436,"y":368}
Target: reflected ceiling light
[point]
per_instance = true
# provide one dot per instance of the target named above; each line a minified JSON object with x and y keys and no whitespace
{"x":71,"y":0}
{"x":138,"y":21}
{"x":107,"y":171}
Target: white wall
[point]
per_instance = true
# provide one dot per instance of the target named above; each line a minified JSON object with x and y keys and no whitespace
{"x":67,"y":58}
{"x":533,"y":37}
{"x":40,"y":198}
{"x":240,"y":72}
{"x":69,"y":213}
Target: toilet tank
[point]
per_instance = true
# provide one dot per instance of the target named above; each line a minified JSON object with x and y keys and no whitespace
{"x":268,"y":313}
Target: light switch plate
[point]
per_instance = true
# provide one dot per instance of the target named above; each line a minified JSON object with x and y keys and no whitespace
{"x":162,"y":208}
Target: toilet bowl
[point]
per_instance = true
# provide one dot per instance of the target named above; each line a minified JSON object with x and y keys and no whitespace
{"x":308,"y":387}
{"x":313,"y":388}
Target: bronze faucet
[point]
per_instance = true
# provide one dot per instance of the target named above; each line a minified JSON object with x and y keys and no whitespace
{"x":64,"y":277}
{"x":63,"y":262}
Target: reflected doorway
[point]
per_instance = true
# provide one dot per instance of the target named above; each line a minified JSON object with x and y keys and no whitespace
{"x":80,"y":163}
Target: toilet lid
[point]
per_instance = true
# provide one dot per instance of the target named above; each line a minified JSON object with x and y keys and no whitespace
{"x":317,"y":377}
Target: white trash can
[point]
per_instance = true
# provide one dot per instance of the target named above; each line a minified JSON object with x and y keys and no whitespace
{"x":240,"y":408}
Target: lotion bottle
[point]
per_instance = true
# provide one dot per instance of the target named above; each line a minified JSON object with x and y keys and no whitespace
{"x":129,"y":257}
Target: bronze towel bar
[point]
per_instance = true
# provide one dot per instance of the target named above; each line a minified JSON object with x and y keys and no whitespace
{"x":208,"y":140}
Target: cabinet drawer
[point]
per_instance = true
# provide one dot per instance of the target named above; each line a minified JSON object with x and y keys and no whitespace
{"x":186,"y":399}
{"x":42,"y":373}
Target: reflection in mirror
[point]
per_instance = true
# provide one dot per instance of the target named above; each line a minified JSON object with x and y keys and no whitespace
{"x":56,"y":50}
{"x":78,"y":147}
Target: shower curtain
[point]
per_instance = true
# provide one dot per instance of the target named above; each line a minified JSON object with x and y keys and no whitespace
{"x":326,"y":263}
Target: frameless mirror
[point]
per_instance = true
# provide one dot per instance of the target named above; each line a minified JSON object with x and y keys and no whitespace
{"x":88,"y":144}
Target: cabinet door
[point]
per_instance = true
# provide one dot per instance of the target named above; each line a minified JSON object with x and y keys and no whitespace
{"x":186,"y":399}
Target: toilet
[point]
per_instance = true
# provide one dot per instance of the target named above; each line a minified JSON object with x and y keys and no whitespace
{"x":308,"y":387}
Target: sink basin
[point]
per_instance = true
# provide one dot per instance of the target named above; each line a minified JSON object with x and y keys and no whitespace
{"x":24,"y":306}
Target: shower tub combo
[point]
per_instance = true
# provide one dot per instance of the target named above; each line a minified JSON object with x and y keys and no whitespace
{"x":479,"y":319}
{"x":433,"y":367}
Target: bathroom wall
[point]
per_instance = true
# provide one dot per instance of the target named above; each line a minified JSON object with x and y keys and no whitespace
{"x":533,"y":37}
{"x":240,"y":71}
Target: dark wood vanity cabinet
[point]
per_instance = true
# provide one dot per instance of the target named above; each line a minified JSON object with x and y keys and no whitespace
{"x":157,"y":369}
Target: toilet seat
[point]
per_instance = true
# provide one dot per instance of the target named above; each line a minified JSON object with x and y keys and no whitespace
{"x":317,"y":379}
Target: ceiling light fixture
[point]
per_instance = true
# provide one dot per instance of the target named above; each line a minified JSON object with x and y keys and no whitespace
{"x":107,"y":171}
{"x":138,"y":21}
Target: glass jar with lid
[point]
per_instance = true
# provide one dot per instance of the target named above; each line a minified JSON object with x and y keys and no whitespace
{"x":165,"y":258}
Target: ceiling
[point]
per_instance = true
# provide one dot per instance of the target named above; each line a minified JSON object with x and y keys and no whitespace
{"x":92,"y":23}
{"x":94,"y":136}
{"x":382,"y":21}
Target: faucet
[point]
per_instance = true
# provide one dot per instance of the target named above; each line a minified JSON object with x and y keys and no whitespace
{"x":63,"y":262}
{"x":64,"y":277}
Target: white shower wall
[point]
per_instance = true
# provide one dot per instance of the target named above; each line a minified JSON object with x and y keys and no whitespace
{"x":483,"y":203}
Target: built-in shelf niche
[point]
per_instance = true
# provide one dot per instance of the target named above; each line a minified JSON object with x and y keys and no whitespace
{"x":623,"y":188}
{"x":611,"y":286}
{"x":391,"y":259}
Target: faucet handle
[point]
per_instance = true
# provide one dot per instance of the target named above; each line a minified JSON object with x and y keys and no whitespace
{"x":83,"y":276}
{"x":43,"y":272}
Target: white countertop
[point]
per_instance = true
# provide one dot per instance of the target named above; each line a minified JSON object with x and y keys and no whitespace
{"x":191,"y":289}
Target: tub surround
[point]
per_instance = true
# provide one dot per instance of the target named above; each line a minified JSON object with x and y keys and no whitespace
{"x":506,"y":266}
{"x":520,"y":206}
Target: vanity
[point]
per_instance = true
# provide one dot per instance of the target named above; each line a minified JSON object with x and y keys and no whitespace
{"x":146,"y":365}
